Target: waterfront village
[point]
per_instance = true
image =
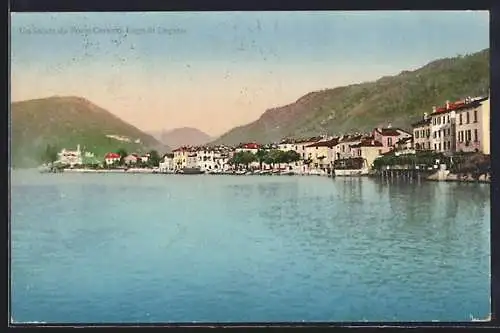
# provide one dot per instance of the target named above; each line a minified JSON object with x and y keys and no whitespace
{"x":451,"y":142}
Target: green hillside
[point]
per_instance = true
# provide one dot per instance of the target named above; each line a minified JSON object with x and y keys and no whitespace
{"x":399,"y":99}
{"x":65,"y":122}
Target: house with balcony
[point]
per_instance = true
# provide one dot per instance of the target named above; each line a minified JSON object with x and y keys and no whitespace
{"x":321,"y":154}
{"x":422,"y":133}
{"x":443,"y":128}
{"x":473,"y":125}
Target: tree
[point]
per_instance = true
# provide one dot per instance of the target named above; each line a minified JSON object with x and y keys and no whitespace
{"x":247,"y":157}
{"x":292,"y":156}
{"x":261,"y":156}
{"x":275,"y":156}
{"x":50,"y":154}
{"x":123,"y":153}
{"x":154,"y":158}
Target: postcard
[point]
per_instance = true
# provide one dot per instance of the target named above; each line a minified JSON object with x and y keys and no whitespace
{"x":250,"y":167}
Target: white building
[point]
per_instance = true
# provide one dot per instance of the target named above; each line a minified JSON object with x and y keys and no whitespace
{"x":112,"y":158}
{"x":167,"y":164}
{"x":71,"y":157}
{"x":443,"y":129}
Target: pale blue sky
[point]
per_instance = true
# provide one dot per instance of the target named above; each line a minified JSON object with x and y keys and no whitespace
{"x":228,"y":66}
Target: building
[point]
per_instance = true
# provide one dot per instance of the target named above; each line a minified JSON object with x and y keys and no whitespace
{"x":389,"y":136}
{"x":167,"y":163}
{"x":145,"y":158}
{"x":192,"y":160}
{"x":343,"y":148}
{"x":131,"y":159}
{"x":251,"y":147}
{"x":321,"y":154}
{"x":111,"y":158}
{"x":180,"y":157}
{"x":443,"y":128}
{"x":301,"y":144}
{"x":71,"y":157}
{"x":422,"y":133}
{"x":473,"y":125}
{"x":368,"y":149}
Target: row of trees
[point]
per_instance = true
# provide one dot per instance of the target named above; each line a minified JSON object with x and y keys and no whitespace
{"x":474,"y":164}
{"x":271,"y":157}
{"x":420,"y":158}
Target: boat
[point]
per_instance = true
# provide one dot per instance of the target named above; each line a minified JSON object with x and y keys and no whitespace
{"x":192,"y":171}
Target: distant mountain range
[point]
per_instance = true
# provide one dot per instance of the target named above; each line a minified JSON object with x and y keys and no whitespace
{"x":398,"y":100}
{"x":65,"y":122}
{"x":182,"y":136}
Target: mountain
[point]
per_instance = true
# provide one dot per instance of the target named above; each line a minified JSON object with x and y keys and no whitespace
{"x":65,"y":122}
{"x":399,"y":99}
{"x":185,"y":136}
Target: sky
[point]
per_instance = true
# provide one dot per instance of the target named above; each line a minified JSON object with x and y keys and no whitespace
{"x":217,"y":70}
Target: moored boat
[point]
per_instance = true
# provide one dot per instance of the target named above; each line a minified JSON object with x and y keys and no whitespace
{"x":192,"y":171}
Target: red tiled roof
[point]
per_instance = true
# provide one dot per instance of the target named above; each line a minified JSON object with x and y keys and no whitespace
{"x":250,"y":146}
{"x":111,"y":156}
{"x":458,"y":105}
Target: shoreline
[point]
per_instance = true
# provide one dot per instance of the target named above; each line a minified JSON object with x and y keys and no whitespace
{"x":449,"y":177}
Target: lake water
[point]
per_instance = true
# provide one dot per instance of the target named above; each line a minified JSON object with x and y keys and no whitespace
{"x":168,"y":248}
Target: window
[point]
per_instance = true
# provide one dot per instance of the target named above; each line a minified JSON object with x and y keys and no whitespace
{"x":359,"y":152}
{"x":469,"y":135}
{"x":444,"y":119}
{"x":434,"y":121}
{"x":428,"y":133}
{"x":467,"y":117}
{"x":316,"y":147}
{"x":475,"y":116}
{"x":475,"y":135}
{"x":449,"y":131}
{"x":448,"y":119}
{"x":435,"y":146}
{"x":422,"y":133}
{"x":439,"y":146}
{"x":343,"y":148}
{"x":389,"y":141}
{"x":417,"y":146}
{"x":435,"y":135}
{"x":460,"y":119}
{"x":416,"y":134}
{"x":428,"y":145}
{"x":449,"y":145}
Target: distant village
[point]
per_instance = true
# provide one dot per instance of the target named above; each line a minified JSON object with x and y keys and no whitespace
{"x":455,"y":128}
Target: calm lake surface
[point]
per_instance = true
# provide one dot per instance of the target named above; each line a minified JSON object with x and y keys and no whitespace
{"x":168,"y":248}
